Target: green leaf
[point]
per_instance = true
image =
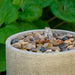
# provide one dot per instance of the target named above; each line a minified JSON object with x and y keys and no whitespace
{"x":44,"y":3}
{"x":7,"y":31}
{"x":31,"y":11}
{"x":41,"y":24}
{"x":18,"y":2}
{"x":23,"y":26}
{"x":8,"y":12}
{"x":64,"y":9}
{"x":2,"y":58}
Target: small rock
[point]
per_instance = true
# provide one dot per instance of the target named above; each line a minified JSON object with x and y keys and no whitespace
{"x":71,"y":39}
{"x":57,"y":42}
{"x":43,"y":49}
{"x":47,"y":40}
{"x":17,"y":45}
{"x":21,"y":37}
{"x":63,"y":46}
{"x":14,"y":40}
{"x":69,"y":35}
{"x":48,"y":51}
{"x":23,"y":43}
{"x":73,"y":43}
{"x":65,"y":38}
{"x":49,"y":45}
{"x":40,"y":41}
{"x":70,"y":46}
{"x":73,"y":48}
{"x":68,"y":42}
{"x":55,"y":48}
{"x":45,"y":45}
{"x":29,"y":46}
{"x":34,"y":49}
{"x":55,"y":35}
{"x":26,"y":40}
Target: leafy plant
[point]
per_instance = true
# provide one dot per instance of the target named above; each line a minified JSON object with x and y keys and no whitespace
{"x":22,"y":15}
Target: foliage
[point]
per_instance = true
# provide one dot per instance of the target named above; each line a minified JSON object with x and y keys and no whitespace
{"x":22,"y":15}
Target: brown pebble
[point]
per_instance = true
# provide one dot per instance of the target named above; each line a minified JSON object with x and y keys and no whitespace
{"x":71,"y":39}
{"x":49,"y":45}
{"x":40,"y":41}
{"x":70,"y":46}
{"x":68,"y":42}
{"x":17,"y":45}
{"x":57,"y":42}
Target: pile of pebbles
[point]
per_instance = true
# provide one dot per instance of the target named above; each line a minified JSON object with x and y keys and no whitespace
{"x":41,"y":41}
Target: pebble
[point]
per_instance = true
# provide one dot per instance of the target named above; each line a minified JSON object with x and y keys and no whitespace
{"x":71,"y":39}
{"x":26,"y":40}
{"x":63,"y":46}
{"x":69,"y":35}
{"x":29,"y":46}
{"x":34,"y":49}
{"x":70,"y":46}
{"x":57,"y":42}
{"x":48,"y":51}
{"x":17,"y":45}
{"x":21,"y":37}
{"x":45,"y":45}
{"x":40,"y":41}
{"x":14,"y":40}
{"x":65,"y":38}
{"x":73,"y":43}
{"x":68,"y":42}
{"x":43,"y":49}
{"x":55,"y":48}
{"x":49,"y":45}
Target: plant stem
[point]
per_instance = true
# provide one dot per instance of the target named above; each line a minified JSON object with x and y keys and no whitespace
{"x":59,"y":24}
{"x":51,"y":19}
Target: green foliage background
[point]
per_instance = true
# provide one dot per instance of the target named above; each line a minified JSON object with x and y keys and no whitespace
{"x":21,"y":15}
